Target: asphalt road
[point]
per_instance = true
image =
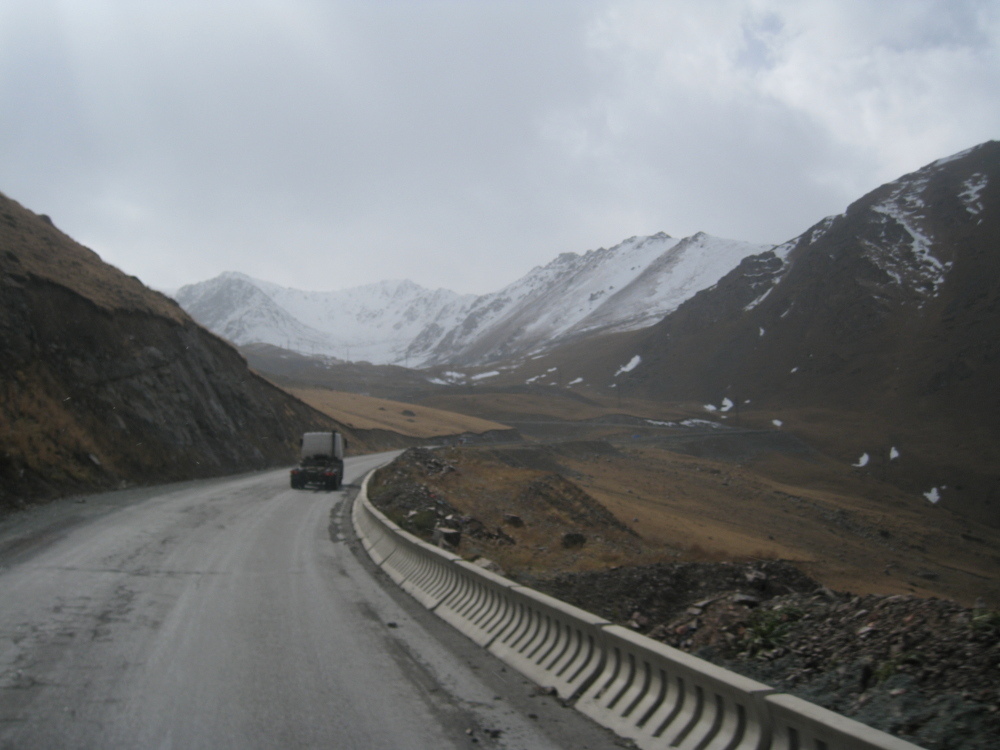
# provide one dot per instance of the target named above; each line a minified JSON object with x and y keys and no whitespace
{"x":236,"y":613}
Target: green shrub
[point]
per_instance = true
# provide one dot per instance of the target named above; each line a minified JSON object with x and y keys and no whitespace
{"x":768,"y":628}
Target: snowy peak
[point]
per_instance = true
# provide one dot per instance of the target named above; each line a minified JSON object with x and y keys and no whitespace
{"x":628,"y":286}
{"x":233,"y":306}
{"x":375,"y":322}
{"x":677,"y":274}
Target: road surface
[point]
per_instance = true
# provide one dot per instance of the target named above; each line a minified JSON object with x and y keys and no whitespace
{"x":236,"y":613}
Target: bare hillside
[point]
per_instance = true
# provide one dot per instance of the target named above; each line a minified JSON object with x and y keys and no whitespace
{"x":104,"y":382}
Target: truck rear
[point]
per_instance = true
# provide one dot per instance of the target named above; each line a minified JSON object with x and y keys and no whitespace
{"x":322,"y":462}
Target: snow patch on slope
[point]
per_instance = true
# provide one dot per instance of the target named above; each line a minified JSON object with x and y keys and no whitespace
{"x":970,"y":195}
{"x":631,"y":365}
{"x":904,"y":251}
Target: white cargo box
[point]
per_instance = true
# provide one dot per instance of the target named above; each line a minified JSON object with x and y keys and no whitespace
{"x":323,"y":444}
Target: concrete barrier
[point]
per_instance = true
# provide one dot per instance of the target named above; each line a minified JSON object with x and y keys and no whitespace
{"x":639,"y":688}
{"x":553,"y":643}
{"x":798,"y":724}
{"x":662,"y":697}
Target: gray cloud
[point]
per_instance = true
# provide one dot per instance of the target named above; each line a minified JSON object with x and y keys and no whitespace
{"x":325,"y":145}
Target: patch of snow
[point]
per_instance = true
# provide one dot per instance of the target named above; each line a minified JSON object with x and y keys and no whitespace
{"x":574,"y":382}
{"x":711,"y":407}
{"x":908,"y":260}
{"x":632,"y":364}
{"x":823,"y":227}
{"x":933,"y":495}
{"x":757,"y":301}
{"x":454,"y":375}
{"x":484,"y":375}
{"x":761,"y":332}
{"x":970,"y":196}
{"x":893,"y":453}
{"x":438,"y":381}
{"x":953,"y":157}
{"x":862,"y":462}
{"x":726,"y":405}
{"x":794,"y":370}
{"x":777,"y":422}
{"x":701,"y":423}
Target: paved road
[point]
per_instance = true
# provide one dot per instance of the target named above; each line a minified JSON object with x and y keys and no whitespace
{"x":235,"y":614}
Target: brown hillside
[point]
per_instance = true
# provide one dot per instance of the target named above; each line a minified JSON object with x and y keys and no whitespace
{"x":869,"y":338}
{"x":104,"y":382}
{"x":369,"y":413}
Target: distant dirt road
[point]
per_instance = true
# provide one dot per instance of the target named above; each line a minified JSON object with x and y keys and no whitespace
{"x":222,"y":614}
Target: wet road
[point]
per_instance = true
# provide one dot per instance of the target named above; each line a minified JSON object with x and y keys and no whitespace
{"x":234,"y":614}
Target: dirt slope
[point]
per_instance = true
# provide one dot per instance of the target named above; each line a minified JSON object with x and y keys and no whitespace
{"x":104,"y":382}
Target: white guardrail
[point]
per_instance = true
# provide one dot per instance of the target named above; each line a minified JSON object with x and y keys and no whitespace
{"x":639,"y":688}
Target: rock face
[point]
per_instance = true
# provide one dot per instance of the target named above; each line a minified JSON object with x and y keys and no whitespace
{"x":105,"y":382}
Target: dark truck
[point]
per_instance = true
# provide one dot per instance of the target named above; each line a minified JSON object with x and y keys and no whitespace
{"x":322,"y":462}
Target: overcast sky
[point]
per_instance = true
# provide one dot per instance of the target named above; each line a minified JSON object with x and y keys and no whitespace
{"x":323,"y":145}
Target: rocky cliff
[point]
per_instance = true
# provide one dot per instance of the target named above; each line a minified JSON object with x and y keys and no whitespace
{"x":104,"y":382}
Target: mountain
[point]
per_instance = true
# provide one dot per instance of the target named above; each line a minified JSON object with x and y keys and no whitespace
{"x":105,"y":382}
{"x":233,"y":307}
{"x":625,"y":287}
{"x":375,"y":322}
{"x":875,"y":334}
{"x":628,"y":286}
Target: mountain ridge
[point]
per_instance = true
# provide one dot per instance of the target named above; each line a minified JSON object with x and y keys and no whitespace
{"x":873,"y":333}
{"x":627,"y":286}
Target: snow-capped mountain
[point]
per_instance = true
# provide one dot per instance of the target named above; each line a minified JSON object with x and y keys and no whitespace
{"x":233,"y":306}
{"x":374,"y":323}
{"x":629,"y":286}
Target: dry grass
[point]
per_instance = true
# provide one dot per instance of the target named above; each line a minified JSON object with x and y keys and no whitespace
{"x":47,"y":253}
{"x":555,"y":405}
{"x":484,"y":485}
{"x":852,"y":530}
{"x":368,"y":413}
{"x":37,"y":428}
{"x":690,"y":509}
{"x":849,"y":532}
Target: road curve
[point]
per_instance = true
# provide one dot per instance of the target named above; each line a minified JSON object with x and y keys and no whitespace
{"x":232,"y":614}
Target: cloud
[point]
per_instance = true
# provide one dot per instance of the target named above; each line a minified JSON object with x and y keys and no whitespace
{"x":328,"y":144}
{"x":793,"y":106}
